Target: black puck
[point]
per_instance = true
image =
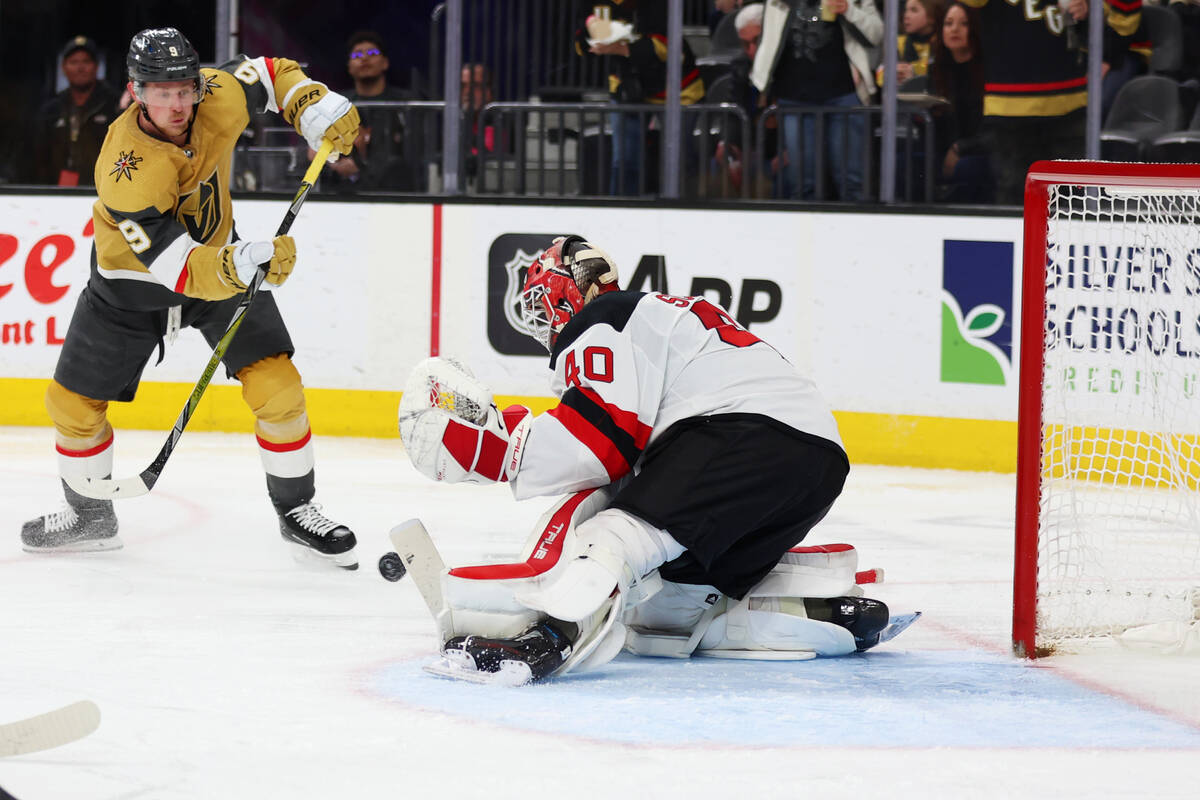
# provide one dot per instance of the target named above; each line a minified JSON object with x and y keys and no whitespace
{"x":391,"y":567}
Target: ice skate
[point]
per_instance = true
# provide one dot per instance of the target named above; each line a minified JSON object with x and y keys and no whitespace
{"x":863,"y":617}
{"x":82,"y":526}
{"x":528,"y":658}
{"x":307,"y":528}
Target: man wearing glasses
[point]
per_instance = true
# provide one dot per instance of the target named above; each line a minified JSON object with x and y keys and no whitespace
{"x":378,"y":161}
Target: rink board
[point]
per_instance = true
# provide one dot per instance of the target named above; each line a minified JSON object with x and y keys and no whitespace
{"x":879,"y":308}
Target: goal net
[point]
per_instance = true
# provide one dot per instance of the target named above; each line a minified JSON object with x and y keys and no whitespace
{"x":1108,"y":497}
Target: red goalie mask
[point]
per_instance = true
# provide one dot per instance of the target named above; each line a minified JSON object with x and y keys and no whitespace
{"x":567,"y":275}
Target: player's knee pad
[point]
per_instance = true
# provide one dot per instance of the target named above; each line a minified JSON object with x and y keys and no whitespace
{"x":482,"y":599}
{"x":272,"y":389}
{"x":80,"y":423}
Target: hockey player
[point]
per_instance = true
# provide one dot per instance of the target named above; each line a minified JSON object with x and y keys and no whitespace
{"x":166,"y":255}
{"x":695,"y":457}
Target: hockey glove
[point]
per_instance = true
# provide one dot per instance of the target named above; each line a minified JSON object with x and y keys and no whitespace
{"x":318,"y":113}
{"x":216,"y":273}
{"x":240,"y":261}
{"x":447,"y":448}
{"x":452,"y":429}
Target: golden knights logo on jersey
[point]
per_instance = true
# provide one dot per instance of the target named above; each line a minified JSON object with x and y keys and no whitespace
{"x":125,"y":166}
{"x":200,"y":211}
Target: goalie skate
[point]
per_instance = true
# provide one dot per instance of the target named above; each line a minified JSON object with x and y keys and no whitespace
{"x":897,"y":624}
{"x":530,"y":657}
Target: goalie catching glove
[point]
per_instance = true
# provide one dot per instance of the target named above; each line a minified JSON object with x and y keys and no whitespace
{"x":452,"y":430}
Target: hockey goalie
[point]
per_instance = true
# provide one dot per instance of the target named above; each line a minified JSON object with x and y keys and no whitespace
{"x":690,"y":459}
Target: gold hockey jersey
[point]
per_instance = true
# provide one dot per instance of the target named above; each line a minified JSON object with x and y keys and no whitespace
{"x":159,"y":201}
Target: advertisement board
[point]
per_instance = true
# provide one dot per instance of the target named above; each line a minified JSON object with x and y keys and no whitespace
{"x":906,"y":321}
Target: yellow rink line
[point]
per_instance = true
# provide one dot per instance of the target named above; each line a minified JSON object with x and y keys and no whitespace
{"x":897,"y":439}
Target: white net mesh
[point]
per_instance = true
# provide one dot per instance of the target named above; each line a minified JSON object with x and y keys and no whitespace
{"x":1119,"y":508}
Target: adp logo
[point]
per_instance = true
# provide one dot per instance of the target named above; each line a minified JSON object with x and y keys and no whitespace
{"x":977,"y":303}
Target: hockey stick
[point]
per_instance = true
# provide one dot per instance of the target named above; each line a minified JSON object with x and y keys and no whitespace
{"x":52,"y":729}
{"x":425,"y":566}
{"x":111,"y":489}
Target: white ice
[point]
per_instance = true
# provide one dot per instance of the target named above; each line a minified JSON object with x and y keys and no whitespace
{"x":226,"y":670}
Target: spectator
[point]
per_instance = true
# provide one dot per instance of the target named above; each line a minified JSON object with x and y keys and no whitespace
{"x":1187,"y":12}
{"x":72,"y":125}
{"x":378,"y":160}
{"x":725,"y":39}
{"x":921,"y":19}
{"x":497,"y":133}
{"x":956,"y":73}
{"x":1035,"y":90}
{"x":1125,"y":57}
{"x":738,"y":89}
{"x":816,"y":53}
{"x":634,"y":34}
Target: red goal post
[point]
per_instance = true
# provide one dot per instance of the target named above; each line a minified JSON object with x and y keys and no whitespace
{"x":1108,"y":456}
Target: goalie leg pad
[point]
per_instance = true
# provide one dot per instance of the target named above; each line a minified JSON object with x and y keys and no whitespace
{"x":821,"y":571}
{"x":613,"y":550}
{"x":482,"y":599}
{"x":772,"y":628}
{"x":774,"y":620}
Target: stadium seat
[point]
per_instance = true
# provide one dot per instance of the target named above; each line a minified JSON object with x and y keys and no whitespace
{"x":1146,"y":108}
{"x":1178,"y":147}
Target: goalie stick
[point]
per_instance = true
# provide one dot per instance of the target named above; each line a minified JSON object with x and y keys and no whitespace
{"x":52,"y":729}
{"x":113,"y":489}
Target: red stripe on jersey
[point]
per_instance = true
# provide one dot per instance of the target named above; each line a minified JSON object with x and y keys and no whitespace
{"x":600,"y":445}
{"x":270,"y":62}
{"x":285,"y":447}
{"x":545,"y":554}
{"x":1127,"y":7}
{"x":183,"y":274}
{"x":100,"y":448}
{"x":1031,"y":88}
{"x":625,"y":420}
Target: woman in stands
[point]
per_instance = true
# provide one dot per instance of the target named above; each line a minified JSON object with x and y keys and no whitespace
{"x":956,"y":73}
{"x":922,"y":18}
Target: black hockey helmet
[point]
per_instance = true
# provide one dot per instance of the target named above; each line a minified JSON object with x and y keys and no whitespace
{"x":157,"y":55}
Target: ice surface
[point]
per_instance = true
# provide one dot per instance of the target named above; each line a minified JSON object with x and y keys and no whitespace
{"x":224,"y":669}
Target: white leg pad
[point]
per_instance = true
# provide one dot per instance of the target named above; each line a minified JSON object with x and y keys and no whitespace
{"x":772,"y":628}
{"x":611,"y":551}
{"x":821,"y":571}
{"x":482,"y":599}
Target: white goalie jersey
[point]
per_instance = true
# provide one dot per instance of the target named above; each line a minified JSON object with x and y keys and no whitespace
{"x":631,"y":365}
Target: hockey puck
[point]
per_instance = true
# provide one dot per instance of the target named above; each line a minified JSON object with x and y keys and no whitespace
{"x":391,"y":567}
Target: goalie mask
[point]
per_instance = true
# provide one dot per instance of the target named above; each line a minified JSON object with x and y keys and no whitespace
{"x":160,"y":55}
{"x":568,"y":275}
